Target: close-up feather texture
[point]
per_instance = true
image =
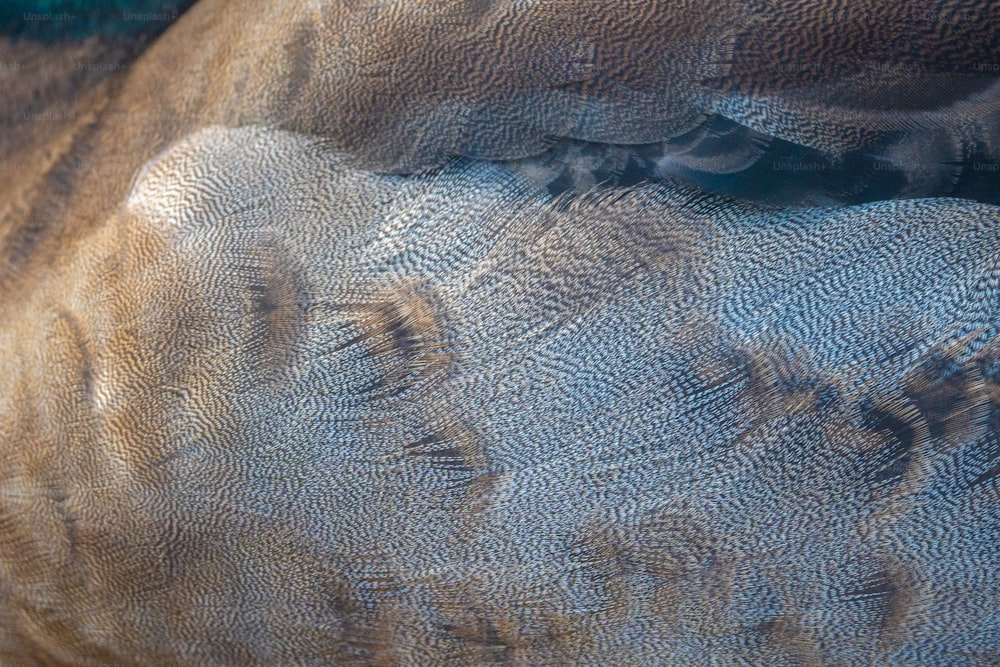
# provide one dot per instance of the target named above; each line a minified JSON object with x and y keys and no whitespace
{"x":467,"y":332}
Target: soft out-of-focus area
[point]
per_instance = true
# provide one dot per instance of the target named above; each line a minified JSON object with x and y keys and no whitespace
{"x":50,"y":20}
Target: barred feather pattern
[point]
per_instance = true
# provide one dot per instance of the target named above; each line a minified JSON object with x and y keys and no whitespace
{"x":383,"y":332}
{"x":282,"y":411}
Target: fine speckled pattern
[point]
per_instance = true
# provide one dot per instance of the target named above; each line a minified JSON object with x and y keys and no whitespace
{"x":270,"y":397}
{"x":366,"y":420}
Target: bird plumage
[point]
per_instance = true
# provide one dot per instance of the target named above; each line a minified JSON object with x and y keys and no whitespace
{"x":267,"y":403}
